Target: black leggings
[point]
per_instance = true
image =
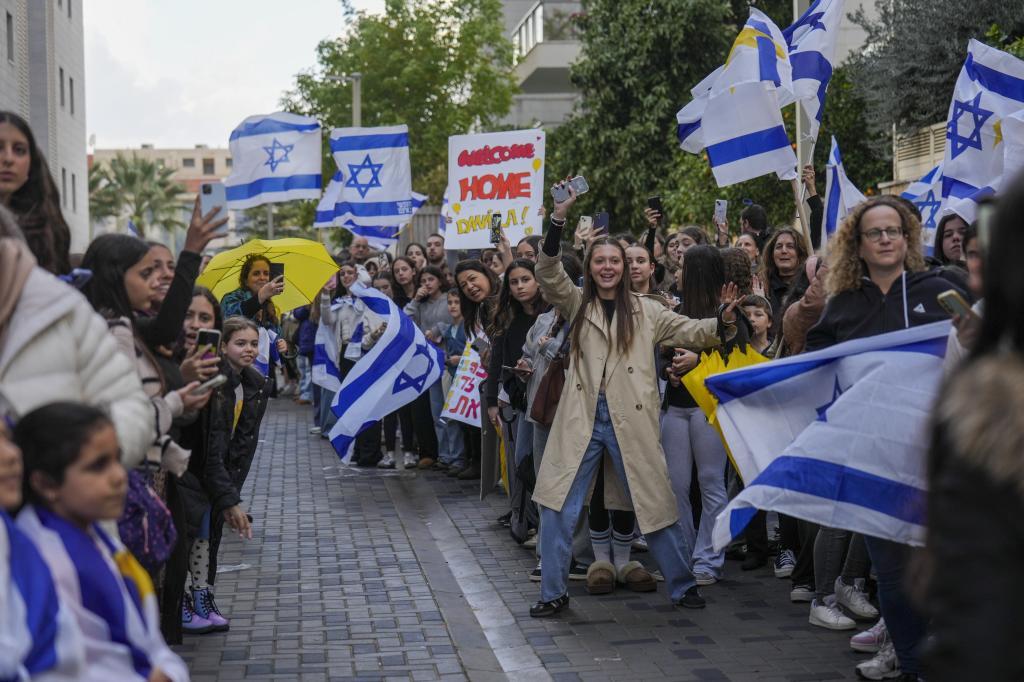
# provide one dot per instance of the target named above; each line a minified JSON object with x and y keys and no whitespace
{"x":622,"y":521}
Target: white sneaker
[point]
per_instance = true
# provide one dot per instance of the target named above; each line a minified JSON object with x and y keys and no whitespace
{"x":530,"y":543}
{"x":411,"y":460}
{"x":870,"y":641}
{"x":314,"y":429}
{"x":387,"y":461}
{"x":854,"y":599}
{"x":884,"y":666}
{"x":829,"y":616}
{"x":801,"y":593}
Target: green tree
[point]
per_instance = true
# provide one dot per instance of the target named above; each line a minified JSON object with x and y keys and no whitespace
{"x":137,"y":189}
{"x":638,"y":61}
{"x":913,"y":53}
{"x":443,"y":67}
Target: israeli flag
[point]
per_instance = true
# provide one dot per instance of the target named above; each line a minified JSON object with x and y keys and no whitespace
{"x":836,"y":437}
{"x":735,"y":115}
{"x":399,"y":367}
{"x":371,"y":193}
{"x":276,"y":158}
{"x":446,"y":213}
{"x":926,"y":194}
{"x":325,"y":359}
{"x":840,"y":194}
{"x":266,"y":351}
{"x":812,"y":41}
{"x":990,"y":88}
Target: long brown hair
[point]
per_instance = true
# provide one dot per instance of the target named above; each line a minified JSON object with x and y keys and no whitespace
{"x":268,"y":311}
{"x":768,"y":268}
{"x":623,"y":299}
{"x":508,"y":307}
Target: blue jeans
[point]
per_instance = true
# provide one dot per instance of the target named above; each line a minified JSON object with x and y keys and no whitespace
{"x":905,"y":624}
{"x":668,"y":545}
{"x":686,"y":438}
{"x":449,"y":434}
{"x":305,"y":367}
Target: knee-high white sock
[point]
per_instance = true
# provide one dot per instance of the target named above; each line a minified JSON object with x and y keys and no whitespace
{"x":601,"y":540}
{"x":199,"y":564}
{"x":621,"y":544}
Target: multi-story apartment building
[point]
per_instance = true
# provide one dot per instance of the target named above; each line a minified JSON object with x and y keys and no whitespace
{"x":42,"y":78}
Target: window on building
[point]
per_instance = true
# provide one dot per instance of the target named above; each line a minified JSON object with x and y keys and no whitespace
{"x":71,"y":93}
{"x":188,"y":163}
{"x":10,"y":37}
{"x":61,"y":70}
{"x":64,"y":187}
{"x":74,"y":194}
{"x":229,"y":162}
{"x":208,"y":167}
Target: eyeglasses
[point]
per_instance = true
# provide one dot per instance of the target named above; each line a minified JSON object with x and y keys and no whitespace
{"x":875,"y":234}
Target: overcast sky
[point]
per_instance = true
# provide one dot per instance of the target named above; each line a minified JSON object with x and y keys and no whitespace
{"x":181,"y":73}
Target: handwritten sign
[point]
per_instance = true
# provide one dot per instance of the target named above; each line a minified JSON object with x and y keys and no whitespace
{"x":491,"y":173}
{"x":463,"y":401}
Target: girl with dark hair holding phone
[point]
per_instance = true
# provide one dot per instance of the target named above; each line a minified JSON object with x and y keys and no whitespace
{"x":429,"y":310}
{"x":28,"y":190}
{"x":479,"y":289}
{"x":254,"y":296}
{"x":613,"y":334}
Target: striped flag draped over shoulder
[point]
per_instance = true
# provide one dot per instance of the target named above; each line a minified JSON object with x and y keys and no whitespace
{"x":837,"y":436}
{"x":275,"y":158}
{"x":400,"y":366}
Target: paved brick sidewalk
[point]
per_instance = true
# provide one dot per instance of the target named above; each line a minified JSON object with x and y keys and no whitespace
{"x":373,"y":575}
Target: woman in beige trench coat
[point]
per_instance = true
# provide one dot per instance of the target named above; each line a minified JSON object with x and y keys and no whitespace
{"x":610,"y":404}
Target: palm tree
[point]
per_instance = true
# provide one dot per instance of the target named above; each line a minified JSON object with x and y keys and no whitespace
{"x":138,"y":189}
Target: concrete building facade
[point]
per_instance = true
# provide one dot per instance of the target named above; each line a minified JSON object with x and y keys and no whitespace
{"x":42,"y":78}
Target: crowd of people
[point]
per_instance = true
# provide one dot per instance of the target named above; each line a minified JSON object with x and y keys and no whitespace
{"x":132,"y":409}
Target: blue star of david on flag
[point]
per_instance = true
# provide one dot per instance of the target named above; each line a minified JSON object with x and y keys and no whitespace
{"x":960,"y":143}
{"x":277,"y":154}
{"x":932,"y":205}
{"x":823,"y":410}
{"x":405,"y":380}
{"x":355,"y":169}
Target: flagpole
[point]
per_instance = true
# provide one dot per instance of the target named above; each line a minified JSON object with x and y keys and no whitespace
{"x":800,"y":210}
{"x":270,"y":221}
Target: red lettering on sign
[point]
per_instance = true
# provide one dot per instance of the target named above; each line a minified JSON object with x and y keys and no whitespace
{"x":489,"y":155}
{"x":495,"y":186}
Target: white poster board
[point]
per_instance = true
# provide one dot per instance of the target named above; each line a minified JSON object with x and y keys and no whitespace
{"x":494,"y":173}
{"x":463,"y":401}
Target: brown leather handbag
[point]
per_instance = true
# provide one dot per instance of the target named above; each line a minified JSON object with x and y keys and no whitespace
{"x":549,"y":390}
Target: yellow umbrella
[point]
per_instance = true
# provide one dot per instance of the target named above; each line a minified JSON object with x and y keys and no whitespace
{"x":307,"y":267}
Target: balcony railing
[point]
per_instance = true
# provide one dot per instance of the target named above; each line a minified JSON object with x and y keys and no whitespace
{"x":546,"y":21}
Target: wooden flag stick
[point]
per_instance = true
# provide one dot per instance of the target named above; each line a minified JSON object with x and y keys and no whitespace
{"x":800,"y":210}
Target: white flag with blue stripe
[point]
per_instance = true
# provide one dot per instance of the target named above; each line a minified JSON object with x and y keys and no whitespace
{"x":275,"y":158}
{"x":371,"y":193}
{"x":325,"y":358}
{"x":989,"y":89}
{"x":926,"y":194}
{"x":840,"y":194}
{"x":266,"y":351}
{"x":400,"y":366}
{"x":812,"y":41}
{"x":735,"y":115}
{"x":836,"y":437}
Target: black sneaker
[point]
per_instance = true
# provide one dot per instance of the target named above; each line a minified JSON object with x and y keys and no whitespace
{"x":535,"y":575}
{"x":752,"y":562}
{"x":692,"y":599}
{"x":577,"y":571}
{"x":505,"y":520}
{"x":543,"y":609}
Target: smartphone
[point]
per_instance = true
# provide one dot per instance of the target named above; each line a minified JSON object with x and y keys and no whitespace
{"x":209,"y":385}
{"x":208,"y":337}
{"x":495,"y":228}
{"x":654,"y":203}
{"x":518,"y":370}
{"x":601,"y":221}
{"x":721,"y":206}
{"x":954,"y":304}
{"x":276,"y":270}
{"x":560,"y":192}
{"x":586,"y":222}
{"x":212,"y":195}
